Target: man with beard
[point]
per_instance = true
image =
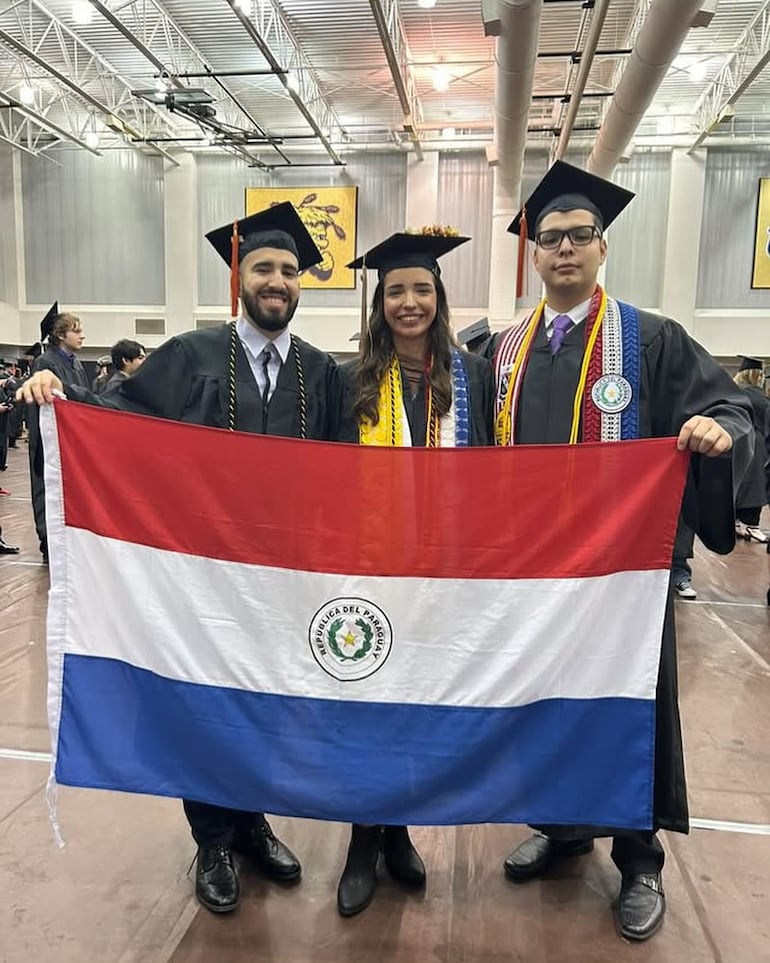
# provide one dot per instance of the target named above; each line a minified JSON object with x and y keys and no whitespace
{"x":249,"y":375}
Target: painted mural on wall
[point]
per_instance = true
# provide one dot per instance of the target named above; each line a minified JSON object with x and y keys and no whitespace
{"x":761,"y":275}
{"x":330,"y":215}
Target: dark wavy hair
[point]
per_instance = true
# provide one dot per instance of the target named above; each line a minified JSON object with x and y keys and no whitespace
{"x":379,"y":349}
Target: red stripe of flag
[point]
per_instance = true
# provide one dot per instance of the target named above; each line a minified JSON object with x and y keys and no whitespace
{"x":525,"y":512}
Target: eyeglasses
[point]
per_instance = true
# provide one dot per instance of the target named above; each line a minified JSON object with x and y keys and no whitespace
{"x":579,"y":236}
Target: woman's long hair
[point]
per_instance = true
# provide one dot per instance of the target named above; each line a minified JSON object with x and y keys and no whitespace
{"x":378,"y":351}
{"x":750,"y":377}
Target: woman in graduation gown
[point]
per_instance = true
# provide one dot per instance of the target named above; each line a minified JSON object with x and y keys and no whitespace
{"x":410,"y":386}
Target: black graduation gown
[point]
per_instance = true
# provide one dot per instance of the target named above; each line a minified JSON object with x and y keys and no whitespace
{"x":754,"y":490}
{"x":70,"y":374}
{"x":186,"y":379}
{"x":480,"y":390}
{"x":678,"y":379}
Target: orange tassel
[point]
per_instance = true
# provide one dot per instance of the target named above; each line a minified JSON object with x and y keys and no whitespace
{"x":234,"y":273}
{"x":521,"y":269}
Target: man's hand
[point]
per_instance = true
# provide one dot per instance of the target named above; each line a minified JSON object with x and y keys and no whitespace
{"x":40,"y":388}
{"x":704,"y":436}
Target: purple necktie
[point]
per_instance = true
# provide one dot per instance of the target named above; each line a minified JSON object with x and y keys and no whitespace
{"x":562,"y":323}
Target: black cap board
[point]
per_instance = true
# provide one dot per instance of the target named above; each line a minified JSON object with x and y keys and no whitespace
{"x":279,"y":226}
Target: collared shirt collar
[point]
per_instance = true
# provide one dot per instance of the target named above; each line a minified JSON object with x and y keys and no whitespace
{"x":67,"y":355}
{"x":254,"y":340}
{"x":578,"y":314}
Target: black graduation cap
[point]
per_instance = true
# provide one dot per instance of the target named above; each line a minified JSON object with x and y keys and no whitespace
{"x":279,"y":226}
{"x":474,"y":332}
{"x":46,"y":325}
{"x":568,"y":188}
{"x":356,"y":336}
{"x":408,"y":250}
{"x":750,"y":364}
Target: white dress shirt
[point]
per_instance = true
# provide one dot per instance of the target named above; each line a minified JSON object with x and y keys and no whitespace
{"x":254,"y":344}
{"x":578,"y":314}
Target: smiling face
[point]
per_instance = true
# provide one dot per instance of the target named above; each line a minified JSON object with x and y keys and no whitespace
{"x":410,"y":303}
{"x":269,"y":288}
{"x":570,"y":271}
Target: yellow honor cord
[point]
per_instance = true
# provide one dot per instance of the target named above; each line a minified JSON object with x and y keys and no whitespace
{"x":504,"y":426}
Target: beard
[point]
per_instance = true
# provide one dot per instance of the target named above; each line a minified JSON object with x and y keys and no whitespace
{"x":275,"y":320}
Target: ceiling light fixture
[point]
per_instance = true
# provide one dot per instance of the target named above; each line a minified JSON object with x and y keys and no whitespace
{"x":426,"y":4}
{"x":82,"y":12}
{"x":449,"y":132}
{"x":441,"y":79}
{"x":27,"y":95}
{"x":244,"y":6}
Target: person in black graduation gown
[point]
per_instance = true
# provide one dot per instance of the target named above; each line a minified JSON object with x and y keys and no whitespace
{"x":681,"y":391}
{"x":754,"y":492}
{"x":65,"y":337}
{"x":250,"y":375}
{"x":410,"y":385}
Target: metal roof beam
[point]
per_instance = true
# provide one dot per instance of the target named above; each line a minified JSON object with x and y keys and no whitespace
{"x":27,"y":28}
{"x":268,"y":28}
{"x":147,"y":26}
{"x":743,"y":66}
{"x":393,"y":37}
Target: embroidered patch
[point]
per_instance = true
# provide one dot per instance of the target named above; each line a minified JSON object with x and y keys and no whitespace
{"x":611,"y":393}
{"x":350,"y":638}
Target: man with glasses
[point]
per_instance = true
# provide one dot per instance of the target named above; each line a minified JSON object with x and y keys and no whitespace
{"x":585,"y":367}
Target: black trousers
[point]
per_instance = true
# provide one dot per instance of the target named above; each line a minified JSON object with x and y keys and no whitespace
{"x":633,"y":851}
{"x":3,"y":440}
{"x":749,"y":516}
{"x":215,"y":825}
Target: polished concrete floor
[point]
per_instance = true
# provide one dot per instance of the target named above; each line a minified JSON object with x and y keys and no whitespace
{"x":119,"y":890}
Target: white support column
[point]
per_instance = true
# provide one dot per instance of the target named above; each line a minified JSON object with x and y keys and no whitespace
{"x":181,"y":222}
{"x":9,"y":247}
{"x":685,"y":212}
{"x":502,"y":262}
{"x":422,"y":190}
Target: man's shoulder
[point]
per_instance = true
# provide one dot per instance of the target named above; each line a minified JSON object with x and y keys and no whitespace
{"x":653,"y":326}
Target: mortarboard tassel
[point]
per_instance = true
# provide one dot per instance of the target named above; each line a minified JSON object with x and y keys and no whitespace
{"x":521,"y":272}
{"x":234,"y":275}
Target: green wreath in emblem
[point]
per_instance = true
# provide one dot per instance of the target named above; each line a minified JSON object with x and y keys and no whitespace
{"x":331,"y":638}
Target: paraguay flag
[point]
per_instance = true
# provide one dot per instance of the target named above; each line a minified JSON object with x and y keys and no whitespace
{"x":357,"y":634}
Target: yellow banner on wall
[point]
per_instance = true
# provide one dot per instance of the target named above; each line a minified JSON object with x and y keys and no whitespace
{"x":330,"y":215}
{"x":761,"y":276}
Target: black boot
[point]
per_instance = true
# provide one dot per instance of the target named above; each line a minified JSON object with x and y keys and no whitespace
{"x":216,"y":881}
{"x":267,"y":853}
{"x":402,"y":859}
{"x":359,"y":878}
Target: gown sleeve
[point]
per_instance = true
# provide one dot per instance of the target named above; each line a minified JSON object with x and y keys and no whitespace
{"x":684,"y":380}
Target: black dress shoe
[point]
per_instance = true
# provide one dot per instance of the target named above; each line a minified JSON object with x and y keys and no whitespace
{"x":7,"y":549}
{"x":265,"y":850}
{"x":216,"y":881}
{"x":535,"y":855}
{"x":359,"y":878}
{"x":641,"y":906}
{"x":401,"y":858}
